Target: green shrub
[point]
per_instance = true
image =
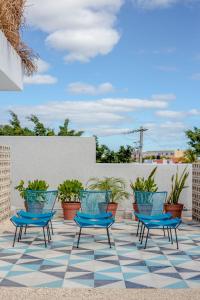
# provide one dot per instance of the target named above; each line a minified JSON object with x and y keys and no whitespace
{"x":69,"y":190}
{"x":35,"y":185}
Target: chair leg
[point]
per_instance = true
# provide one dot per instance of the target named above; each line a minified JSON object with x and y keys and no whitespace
{"x":45,"y":242}
{"x":15,"y":236}
{"x":170,"y":230}
{"x":51,"y":227}
{"x":143,"y":231}
{"x":48,"y":234}
{"x":168,"y":234}
{"x":164,"y":230}
{"x":20,"y":234}
{"x":146,"y":239}
{"x":138,"y":228}
{"x":79,"y":235}
{"x":108,"y":235}
{"x":25,"y":229}
{"x":176,"y":238}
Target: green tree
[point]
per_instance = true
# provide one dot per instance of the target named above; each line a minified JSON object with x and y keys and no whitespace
{"x":39,"y":128}
{"x":190,"y":156}
{"x":14,"y":127}
{"x":65,"y":131}
{"x":194,"y":139}
{"x":105,"y":155}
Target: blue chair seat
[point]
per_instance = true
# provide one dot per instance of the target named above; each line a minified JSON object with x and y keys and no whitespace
{"x":18,"y":221}
{"x":93,"y":222}
{"x":165,"y":216}
{"x":97,"y":216}
{"x":28,"y":215}
{"x":172,"y":223}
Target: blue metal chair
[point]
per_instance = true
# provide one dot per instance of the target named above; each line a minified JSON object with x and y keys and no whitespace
{"x":94,"y":213}
{"x":169,"y":224}
{"x":21,"y":223}
{"x":39,"y":212}
{"x":150,"y":207}
{"x":39,"y":205}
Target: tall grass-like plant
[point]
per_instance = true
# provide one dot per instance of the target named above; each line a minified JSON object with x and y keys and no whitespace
{"x":145,"y":185}
{"x":177,"y":186}
{"x":116,"y":185}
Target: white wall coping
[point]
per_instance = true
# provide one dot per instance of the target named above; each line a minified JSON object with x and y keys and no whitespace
{"x":11,"y":74}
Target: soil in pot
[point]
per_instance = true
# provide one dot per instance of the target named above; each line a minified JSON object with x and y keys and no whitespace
{"x":70,"y":209}
{"x":174,"y":209}
{"x":112,"y":207}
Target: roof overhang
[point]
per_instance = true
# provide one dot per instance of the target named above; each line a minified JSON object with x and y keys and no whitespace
{"x":11,"y":72}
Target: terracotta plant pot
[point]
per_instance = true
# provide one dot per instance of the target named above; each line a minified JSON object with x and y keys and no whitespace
{"x":112,"y":207}
{"x":174,"y":209}
{"x":70,"y":209}
{"x":135,"y":208}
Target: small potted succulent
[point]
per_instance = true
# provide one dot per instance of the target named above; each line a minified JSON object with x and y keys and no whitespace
{"x":177,"y":186}
{"x":35,"y":185}
{"x":68,"y":194}
{"x":116,"y":185}
{"x":144,"y":186}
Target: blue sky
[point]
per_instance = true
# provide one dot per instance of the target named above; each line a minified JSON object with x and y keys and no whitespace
{"x":114,"y":65}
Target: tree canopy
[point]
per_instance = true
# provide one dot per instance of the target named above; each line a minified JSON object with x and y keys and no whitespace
{"x":14,"y":128}
{"x":194,"y":139}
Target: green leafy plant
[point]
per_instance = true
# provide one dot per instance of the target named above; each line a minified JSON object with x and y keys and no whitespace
{"x":69,"y":190}
{"x":145,"y":185}
{"x":178,"y":185}
{"x":35,"y":185}
{"x":116,"y":185}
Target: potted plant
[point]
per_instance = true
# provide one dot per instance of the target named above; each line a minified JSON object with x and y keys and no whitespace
{"x":35,"y":185}
{"x":143,"y":186}
{"x":116,"y":185}
{"x":178,"y":185}
{"x":68,"y":194}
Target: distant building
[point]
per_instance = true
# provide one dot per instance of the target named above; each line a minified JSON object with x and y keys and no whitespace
{"x":163,"y":156}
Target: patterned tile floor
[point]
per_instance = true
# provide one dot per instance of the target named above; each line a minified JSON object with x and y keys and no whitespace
{"x":94,"y":264}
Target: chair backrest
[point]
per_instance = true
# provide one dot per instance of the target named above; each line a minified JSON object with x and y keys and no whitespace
{"x":150,"y":203}
{"x":94,"y":202}
{"x":40,"y":201}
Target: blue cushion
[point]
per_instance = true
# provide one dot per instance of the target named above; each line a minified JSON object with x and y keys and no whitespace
{"x":156,"y":217}
{"x":29,"y":215}
{"x":83,"y":222}
{"x":18,"y":221}
{"x":172,"y":223}
{"x":99,"y":216}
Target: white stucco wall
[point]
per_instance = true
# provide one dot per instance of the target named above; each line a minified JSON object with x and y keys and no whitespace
{"x":58,"y":158}
{"x":10,"y":67}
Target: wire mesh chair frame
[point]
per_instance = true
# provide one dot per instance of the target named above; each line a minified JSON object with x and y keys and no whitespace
{"x":94,"y":202}
{"x":94,"y":205}
{"x":38,"y":201}
{"x":150,"y":203}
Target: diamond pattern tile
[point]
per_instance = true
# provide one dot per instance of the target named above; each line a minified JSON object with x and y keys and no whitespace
{"x":95,"y":265}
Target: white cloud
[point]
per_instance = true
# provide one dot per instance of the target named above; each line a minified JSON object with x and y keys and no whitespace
{"x":89,"y":113}
{"x":164,"y":97}
{"x":42,"y":66}
{"x":195,"y":76}
{"x":40,"y":79}
{"x":88,"y":89}
{"x":172,"y":114}
{"x":155,"y":4}
{"x":167,"y":135}
{"x":81,"y":28}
